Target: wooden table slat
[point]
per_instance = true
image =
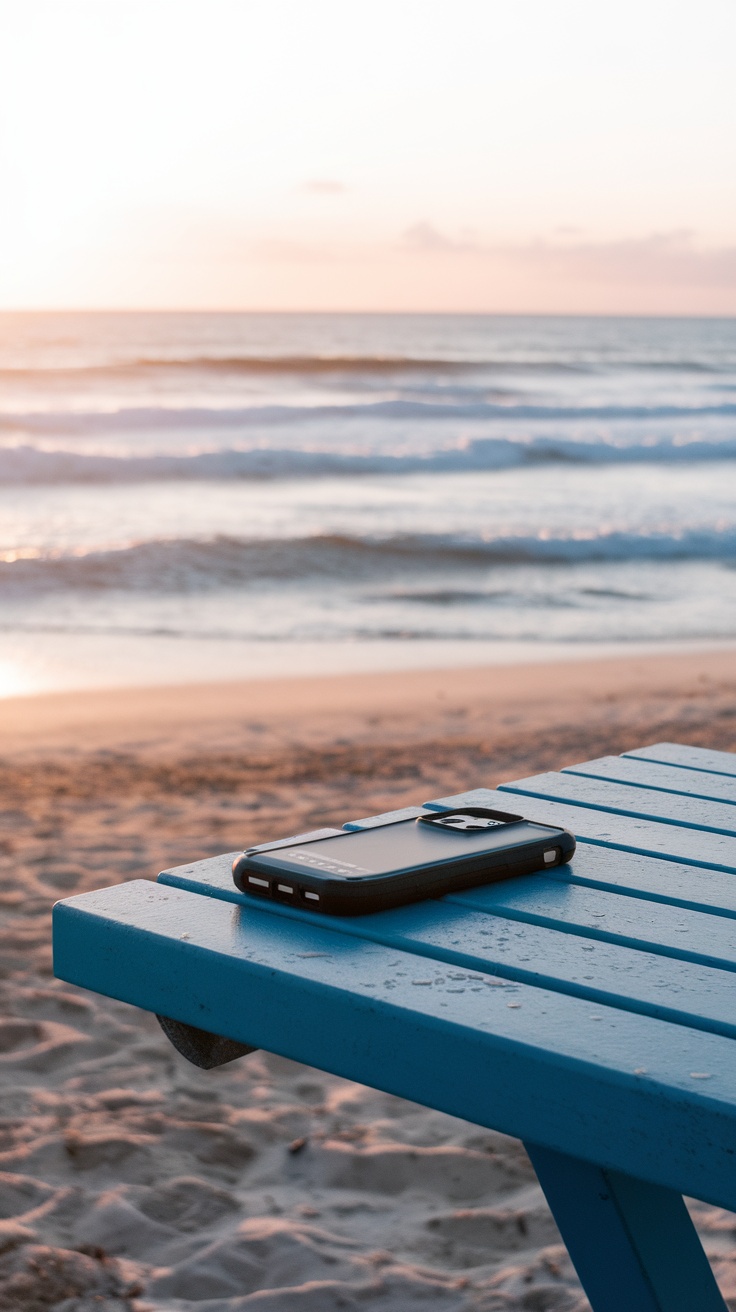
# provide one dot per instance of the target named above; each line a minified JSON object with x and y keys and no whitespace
{"x":658,"y":926}
{"x":630,"y":875}
{"x":659,"y":1098}
{"x":625,"y":799}
{"x":660,"y":778}
{"x":634,"y":875}
{"x":608,"y":828}
{"x":692,"y":758}
{"x":536,"y":930}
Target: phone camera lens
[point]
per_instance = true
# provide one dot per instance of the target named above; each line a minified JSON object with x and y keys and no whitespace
{"x":467,"y":824}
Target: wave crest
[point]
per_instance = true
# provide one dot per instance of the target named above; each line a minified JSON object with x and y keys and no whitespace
{"x":192,"y":565}
{"x":150,"y":419}
{"x":27,"y":464}
{"x":372,"y":365}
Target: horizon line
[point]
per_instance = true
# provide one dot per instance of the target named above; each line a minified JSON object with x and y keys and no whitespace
{"x":474,"y":314}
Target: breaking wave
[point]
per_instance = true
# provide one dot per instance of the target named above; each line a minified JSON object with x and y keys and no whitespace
{"x":131,"y":419}
{"x":389,"y":365}
{"x":30,"y":464}
{"x":192,"y":565}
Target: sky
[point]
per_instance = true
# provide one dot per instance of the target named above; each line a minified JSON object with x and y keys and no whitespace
{"x":459,"y":155}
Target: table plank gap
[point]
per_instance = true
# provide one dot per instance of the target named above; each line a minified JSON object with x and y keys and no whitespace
{"x":355,"y":1008}
{"x":689,"y":758}
{"x":658,"y":778}
{"x":608,"y":829}
{"x":491,"y":929}
{"x":625,"y":799}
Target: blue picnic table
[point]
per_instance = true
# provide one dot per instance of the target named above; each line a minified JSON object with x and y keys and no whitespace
{"x":589,"y":1010}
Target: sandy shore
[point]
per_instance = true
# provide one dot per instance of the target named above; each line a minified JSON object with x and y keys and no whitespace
{"x":129,"y":1180}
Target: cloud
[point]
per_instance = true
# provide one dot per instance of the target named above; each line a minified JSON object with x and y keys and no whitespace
{"x":424,"y":236}
{"x":205,"y":258}
{"x":324,"y":187}
{"x":664,"y":258}
{"x":660,"y":258}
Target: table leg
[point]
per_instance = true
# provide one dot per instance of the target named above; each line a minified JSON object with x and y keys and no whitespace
{"x":633,"y":1244}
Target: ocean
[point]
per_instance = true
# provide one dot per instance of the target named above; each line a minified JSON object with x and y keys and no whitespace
{"x":209,"y":496}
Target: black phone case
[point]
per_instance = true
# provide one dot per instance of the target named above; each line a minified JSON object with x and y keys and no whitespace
{"x":354,"y":872}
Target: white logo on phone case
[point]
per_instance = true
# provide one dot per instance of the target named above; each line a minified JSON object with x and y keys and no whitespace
{"x":328,"y":863}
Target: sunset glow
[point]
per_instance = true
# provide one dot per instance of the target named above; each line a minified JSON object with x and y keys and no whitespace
{"x":478,"y":155}
{"x":17,"y":681}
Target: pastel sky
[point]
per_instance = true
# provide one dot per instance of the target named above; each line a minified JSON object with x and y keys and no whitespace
{"x":501,"y":155}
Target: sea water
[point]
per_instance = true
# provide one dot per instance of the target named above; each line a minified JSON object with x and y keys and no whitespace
{"x":195,"y":496}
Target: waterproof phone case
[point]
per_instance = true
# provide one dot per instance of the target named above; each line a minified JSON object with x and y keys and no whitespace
{"x":353,"y":872}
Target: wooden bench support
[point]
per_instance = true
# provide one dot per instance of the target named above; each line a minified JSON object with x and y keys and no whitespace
{"x":633,"y":1244}
{"x":199,"y":1046}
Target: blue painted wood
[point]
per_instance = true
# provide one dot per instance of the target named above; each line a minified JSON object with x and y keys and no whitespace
{"x":612,"y":949}
{"x":661,"y":778}
{"x":628,"y":873}
{"x":659,"y":928}
{"x":669,"y":930}
{"x":633,"y":1244}
{"x":624,"y":799}
{"x":386,"y":817}
{"x":651,"y":878}
{"x":522,"y":1005}
{"x":659,"y":1099}
{"x":692,"y":758}
{"x":607,"y":828}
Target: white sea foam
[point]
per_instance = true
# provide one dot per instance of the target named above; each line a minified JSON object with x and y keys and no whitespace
{"x":367,"y":478}
{"x":25,"y":463}
{"x":192,"y":565}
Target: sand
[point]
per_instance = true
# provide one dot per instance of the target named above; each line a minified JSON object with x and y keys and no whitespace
{"x":131,"y":1180}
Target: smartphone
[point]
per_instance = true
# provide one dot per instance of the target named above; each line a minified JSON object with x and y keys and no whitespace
{"x":350,"y":873}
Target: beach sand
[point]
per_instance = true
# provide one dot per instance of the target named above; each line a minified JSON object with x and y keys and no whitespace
{"x":131,"y":1180}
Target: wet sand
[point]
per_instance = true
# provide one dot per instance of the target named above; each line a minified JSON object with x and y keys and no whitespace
{"x":130,"y":1180}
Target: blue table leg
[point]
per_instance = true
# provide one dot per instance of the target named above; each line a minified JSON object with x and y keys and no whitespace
{"x":633,"y":1244}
